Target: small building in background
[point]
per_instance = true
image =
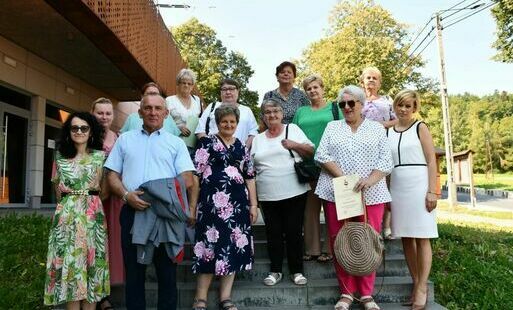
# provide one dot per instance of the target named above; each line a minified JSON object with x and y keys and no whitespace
{"x":56,"y":57}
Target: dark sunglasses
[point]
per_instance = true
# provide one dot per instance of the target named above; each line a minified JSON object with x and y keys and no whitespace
{"x":83,"y":129}
{"x":342,"y":104}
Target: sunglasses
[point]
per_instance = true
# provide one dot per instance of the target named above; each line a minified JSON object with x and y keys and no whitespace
{"x":83,"y":129}
{"x":342,"y":104}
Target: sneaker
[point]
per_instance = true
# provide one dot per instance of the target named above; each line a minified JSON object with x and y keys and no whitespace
{"x":273,"y":278}
{"x":299,"y":279}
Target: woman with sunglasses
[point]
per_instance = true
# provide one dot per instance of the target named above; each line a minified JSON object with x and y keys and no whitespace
{"x":351,"y":146}
{"x":77,"y":270}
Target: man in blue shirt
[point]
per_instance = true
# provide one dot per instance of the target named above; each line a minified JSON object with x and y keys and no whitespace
{"x":138,"y":156}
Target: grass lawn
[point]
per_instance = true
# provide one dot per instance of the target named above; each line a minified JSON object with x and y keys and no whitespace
{"x":444,"y":206}
{"x":23,"y":247}
{"x":473,"y":267}
{"x":502,"y":181}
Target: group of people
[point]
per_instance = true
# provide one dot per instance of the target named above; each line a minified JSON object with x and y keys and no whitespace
{"x":219,"y":167}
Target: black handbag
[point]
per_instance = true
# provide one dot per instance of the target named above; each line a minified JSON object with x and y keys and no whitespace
{"x":306,"y":171}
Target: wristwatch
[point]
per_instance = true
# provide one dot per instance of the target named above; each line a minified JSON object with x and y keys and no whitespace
{"x":125,"y":196}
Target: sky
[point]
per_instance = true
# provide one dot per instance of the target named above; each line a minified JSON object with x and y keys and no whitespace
{"x":268,"y":32}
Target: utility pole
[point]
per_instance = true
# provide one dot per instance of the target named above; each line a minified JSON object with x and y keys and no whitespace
{"x":451,"y":186}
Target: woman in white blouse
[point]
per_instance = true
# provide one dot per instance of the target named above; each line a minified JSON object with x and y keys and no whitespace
{"x":354,"y":146}
{"x":279,"y":192}
{"x":184,"y":107}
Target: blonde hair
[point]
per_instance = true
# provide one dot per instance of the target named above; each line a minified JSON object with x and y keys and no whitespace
{"x":370,"y":69}
{"x":101,"y":100}
{"x":312,"y":78}
{"x":408,"y":94}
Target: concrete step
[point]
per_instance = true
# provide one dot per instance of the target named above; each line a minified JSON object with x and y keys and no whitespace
{"x":395,"y":265}
{"x":255,"y":294}
{"x":384,"y":306}
{"x":391,"y":247}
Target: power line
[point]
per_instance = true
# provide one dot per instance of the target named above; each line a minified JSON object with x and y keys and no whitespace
{"x":470,"y":14}
{"x":452,"y":7}
{"x":458,"y":10}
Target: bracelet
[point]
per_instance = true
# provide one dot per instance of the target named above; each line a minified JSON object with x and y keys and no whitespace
{"x":125,"y":196}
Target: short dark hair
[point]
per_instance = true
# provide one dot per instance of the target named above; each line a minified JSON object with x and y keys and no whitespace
{"x":225,"y":110}
{"x":152,"y":84}
{"x":285,"y":64}
{"x":96,"y":134}
{"x":229,"y":81}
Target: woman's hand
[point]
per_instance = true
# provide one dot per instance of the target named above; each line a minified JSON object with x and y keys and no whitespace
{"x":431,"y":199}
{"x":253,"y":214}
{"x":288,"y":144}
{"x":363,"y":184}
{"x":185,"y":131}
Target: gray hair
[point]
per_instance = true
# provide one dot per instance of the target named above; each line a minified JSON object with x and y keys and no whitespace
{"x":186,"y":74}
{"x":225,"y":110}
{"x":145,"y":98}
{"x":268,"y":103}
{"x":353,"y":90}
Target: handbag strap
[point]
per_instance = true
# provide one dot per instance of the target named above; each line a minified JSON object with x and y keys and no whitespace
{"x":207,"y":125}
{"x":286,"y":137}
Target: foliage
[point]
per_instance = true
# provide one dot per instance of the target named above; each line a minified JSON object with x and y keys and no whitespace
{"x":206,"y":55}
{"x":473,"y":267}
{"x":362,"y":34}
{"x":23,"y":247}
{"x":490,"y":181}
{"x":503,"y":14}
{"x":482,"y":124}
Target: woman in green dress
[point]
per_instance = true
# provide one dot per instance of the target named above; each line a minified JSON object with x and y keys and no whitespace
{"x":77,"y":268}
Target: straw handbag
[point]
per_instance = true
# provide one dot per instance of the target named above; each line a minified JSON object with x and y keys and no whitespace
{"x":359,"y":248}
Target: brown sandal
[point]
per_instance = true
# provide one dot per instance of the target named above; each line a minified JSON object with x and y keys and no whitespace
{"x":227,"y":304}
{"x":196,"y":302}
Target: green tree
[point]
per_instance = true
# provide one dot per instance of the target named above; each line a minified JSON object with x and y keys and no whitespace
{"x":503,"y":14}
{"x":362,"y":33}
{"x":206,"y":55}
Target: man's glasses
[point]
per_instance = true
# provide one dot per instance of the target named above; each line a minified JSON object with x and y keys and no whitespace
{"x":83,"y":129}
{"x":186,"y":83}
{"x":225,"y":89}
{"x":342,"y":104}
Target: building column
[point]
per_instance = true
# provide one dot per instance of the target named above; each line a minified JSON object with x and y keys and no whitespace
{"x":36,"y":149}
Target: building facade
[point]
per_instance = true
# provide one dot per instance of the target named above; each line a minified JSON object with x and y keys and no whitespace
{"x":56,"y":57}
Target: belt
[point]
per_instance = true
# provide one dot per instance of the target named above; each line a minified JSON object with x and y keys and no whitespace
{"x":81,"y":193}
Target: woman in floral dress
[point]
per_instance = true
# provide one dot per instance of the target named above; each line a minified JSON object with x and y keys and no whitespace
{"x":227,"y":207}
{"x":77,"y":268}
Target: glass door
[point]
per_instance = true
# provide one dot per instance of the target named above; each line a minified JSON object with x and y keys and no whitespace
{"x":13,"y":155}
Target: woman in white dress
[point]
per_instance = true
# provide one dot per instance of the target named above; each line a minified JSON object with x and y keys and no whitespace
{"x":414,"y":192}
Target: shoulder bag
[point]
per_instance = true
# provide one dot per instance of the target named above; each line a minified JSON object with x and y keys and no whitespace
{"x":306,"y":171}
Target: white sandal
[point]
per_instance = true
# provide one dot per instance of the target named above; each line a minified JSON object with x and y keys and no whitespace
{"x":273,"y":278}
{"x":299,"y":279}
{"x":344,"y":305}
{"x":370,"y":304}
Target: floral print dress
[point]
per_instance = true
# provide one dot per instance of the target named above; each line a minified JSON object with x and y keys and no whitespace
{"x":77,"y":266}
{"x":224,"y":241}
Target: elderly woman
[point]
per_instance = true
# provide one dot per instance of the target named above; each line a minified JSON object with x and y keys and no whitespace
{"x":312,"y":120}
{"x":414,"y":192}
{"x":227,"y":207}
{"x":77,"y":270}
{"x":290,"y":98}
{"x":134,"y":120}
{"x":103,"y":110}
{"x":377,"y":108}
{"x":185,"y":108}
{"x":354,"y":146}
{"x":247,"y":128}
{"x":280,"y":194}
